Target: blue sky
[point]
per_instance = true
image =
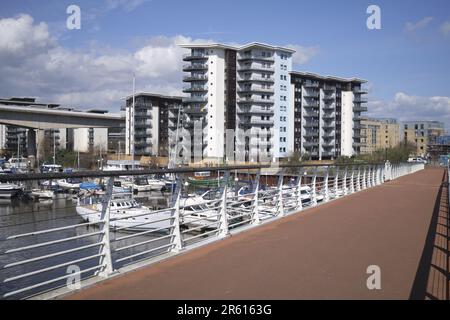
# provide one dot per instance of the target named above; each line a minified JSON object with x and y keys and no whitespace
{"x":407,"y":58}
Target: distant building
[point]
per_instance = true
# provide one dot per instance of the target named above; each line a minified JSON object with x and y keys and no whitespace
{"x":379,"y":134}
{"x":148,"y":129}
{"x":421,"y":134}
{"x":440,"y":148}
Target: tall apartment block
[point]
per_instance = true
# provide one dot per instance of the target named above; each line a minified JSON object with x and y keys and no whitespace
{"x":379,"y":134}
{"x":148,"y":127}
{"x":327,"y":115}
{"x":244,"y":89}
{"x":421,"y":134}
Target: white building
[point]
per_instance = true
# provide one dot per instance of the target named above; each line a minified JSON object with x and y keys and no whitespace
{"x":90,"y":139}
{"x":244,"y":89}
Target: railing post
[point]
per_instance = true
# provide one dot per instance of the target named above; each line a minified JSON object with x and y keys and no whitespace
{"x":280,"y":206}
{"x":344,"y":182}
{"x":177,"y":240}
{"x":105,"y":249}
{"x":326,"y":194}
{"x":314,"y":194}
{"x":364,"y":181}
{"x":358,"y":179}
{"x":336,"y":183}
{"x":224,"y":231}
{"x":352,"y":181}
{"x":369,"y":177}
{"x":299,"y":192}
{"x":256,"y":219}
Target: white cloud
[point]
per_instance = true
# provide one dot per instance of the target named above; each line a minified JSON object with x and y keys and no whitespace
{"x":33,"y":64}
{"x":421,"y":24}
{"x":406,"y":107}
{"x":303,"y":54}
{"x":445,"y":28}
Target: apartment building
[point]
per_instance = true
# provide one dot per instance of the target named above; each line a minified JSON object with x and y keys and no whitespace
{"x":421,"y":134}
{"x":148,"y":128}
{"x":379,"y":134}
{"x":242,"y":89}
{"x":327,"y":115}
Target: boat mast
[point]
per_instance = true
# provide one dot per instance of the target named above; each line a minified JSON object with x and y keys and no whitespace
{"x":54,"y":147}
{"x":132,"y":136}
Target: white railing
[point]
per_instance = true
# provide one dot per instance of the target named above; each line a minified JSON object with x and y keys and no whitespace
{"x":96,"y":246}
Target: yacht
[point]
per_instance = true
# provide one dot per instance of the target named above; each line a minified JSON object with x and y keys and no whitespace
{"x":41,"y":194}
{"x":126,"y":213}
{"x":69,"y":184}
{"x":9,"y":190}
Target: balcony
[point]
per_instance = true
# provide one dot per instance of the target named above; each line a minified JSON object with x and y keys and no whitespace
{"x":328,"y":107}
{"x":311,"y":133}
{"x":329,"y":116}
{"x":254,"y":110}
{"x":309,"y":94}
{"x":256,"y":122}
{"x":255,"y":100}
{"x":311,"y":114}
{"x":194,"y":110}
{"x":192,"y":78}
{"x":329,"y":98}
{"x":327,"y":87}
{"x":143,"y":115}
{"x":195,"y":67}
{"x":311,"y":124}
{"x":143,"y":124}
{"x":311,"y":104}
{"x":328,"y":144}
{"x":308,"y":144}
{"x":255,"y":89}
{"x":244,"y":57}
{"x":360,"y":91}
{"x":359,"y":100}
{"x":141,"y":134}
{"x":328,"y":154}
{"x":189,"y":89}
{"x":202,"y":99}
{"x":311,"y":84}
{"x":329,"y":125}
{"x":254,"y":67}
{"x":255,"y":78}
{"x":194,"y":56}
{"x":359,"y":109}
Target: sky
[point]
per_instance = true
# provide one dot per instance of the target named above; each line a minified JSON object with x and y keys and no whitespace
{"x":406,"y":62}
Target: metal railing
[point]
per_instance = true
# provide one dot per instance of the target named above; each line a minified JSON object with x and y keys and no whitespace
{"x":102,"y":239}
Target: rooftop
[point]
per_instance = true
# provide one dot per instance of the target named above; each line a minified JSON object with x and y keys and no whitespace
{"x":231,"y":47}
{"x":326,"y":78}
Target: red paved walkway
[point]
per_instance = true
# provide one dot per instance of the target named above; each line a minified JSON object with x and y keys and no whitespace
{"x":321,"y":253}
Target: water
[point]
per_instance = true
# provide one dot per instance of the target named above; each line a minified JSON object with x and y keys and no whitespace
{"x":19,"y":216}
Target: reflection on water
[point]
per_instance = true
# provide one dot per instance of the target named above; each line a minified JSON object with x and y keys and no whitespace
{"x":18,"y":216}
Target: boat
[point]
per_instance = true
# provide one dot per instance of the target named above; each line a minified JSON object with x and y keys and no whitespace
{"x":46,"y":168}
{"x":9,"y":190}
{"x":68,"y":184}
{"x":195,"y":212}
{"x":41,"y":194}
{"x":126,"y":213}
{"x":156,"y":184}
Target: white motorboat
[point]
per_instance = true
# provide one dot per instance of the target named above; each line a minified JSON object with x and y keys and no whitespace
{"x":156,"y":184}
{"x":68,"y":184}
{"x":41,"y":194}
{"x":127,"y":213}
{"x":9,"y":190}
{"x":196,"y":212}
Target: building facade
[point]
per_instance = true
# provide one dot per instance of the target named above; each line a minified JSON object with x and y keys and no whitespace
{"x":379,"y":134}
{"x":147,"y":130}
{"x":327,"y":115}
{"x":243,"y":90}
{"x":421,"y":134}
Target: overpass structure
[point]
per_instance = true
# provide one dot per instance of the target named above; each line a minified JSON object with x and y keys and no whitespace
{"x":26,"y":114}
